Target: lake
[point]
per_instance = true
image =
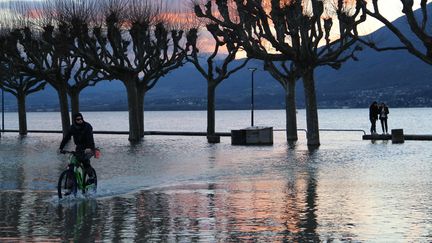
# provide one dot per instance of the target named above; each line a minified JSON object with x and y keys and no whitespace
{"x":182,"y":189}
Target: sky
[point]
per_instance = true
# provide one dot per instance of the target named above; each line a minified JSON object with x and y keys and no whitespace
{"x":391,"y":9}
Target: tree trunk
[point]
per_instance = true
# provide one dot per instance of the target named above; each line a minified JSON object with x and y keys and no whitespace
{"x":311,"y":108}
{"x":290,"y":110}
{"x":64,"y":110}
{"x":141,"y":96}
{"x":211,"y":88}
{"x":22,"y":117}
{"x":74,"y":96}
{"x":134,"y":114}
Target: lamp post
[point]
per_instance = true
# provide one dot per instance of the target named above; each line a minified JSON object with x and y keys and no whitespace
{"x":3,"y":110}
{"x":252,"y":95}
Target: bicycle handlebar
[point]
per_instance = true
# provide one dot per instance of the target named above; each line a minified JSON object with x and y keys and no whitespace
{"x":67,"y":152}
{"x":96,"y":153}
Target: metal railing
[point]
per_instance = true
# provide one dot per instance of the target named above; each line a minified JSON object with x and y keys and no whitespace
{"x":325,"y":130}
{"x":182,"y":132}
{"x":344,"y":130}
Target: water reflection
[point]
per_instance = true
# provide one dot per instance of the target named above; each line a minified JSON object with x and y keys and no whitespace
{"x":195,"y":192}
{"x":78,"y":220}
{"x":262,"y":210}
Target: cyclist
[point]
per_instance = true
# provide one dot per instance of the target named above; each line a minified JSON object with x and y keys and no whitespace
{"x":82,"y":133}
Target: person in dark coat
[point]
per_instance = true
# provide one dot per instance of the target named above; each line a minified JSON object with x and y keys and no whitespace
{"x":373,"y":116}
{"x":383,"y":116}
{"x":82,"y":133}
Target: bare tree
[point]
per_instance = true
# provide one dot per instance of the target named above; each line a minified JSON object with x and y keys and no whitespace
{"x":40,"y":47}
{"x":297,"y":31}
{"x":214,"y":71}
{"x":31,"y":56}
{"x":15,"y":83}
{"x":69,"y":73}
{"x":135,"y":46}
{"x":20,"y":86}
{"x":287,"y":76}
{"x":419,"y":27}
{"x":76,"y":74}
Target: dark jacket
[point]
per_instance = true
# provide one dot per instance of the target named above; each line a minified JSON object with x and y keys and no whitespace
{"x":82,"y":136}
{"x":373,"y":112}
{"x":383,"y":112}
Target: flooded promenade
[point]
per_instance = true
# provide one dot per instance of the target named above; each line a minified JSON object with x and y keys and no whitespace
{"x":181,"y":189}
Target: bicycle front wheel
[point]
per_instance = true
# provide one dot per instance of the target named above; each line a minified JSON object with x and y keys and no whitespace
{"x":67,"y":184}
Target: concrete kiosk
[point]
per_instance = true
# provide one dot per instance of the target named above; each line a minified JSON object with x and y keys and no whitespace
{"x":257,"y":135}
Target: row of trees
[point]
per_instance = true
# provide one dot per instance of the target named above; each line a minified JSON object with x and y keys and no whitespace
{"x":75,"y":44}
{"x":302,"y":33}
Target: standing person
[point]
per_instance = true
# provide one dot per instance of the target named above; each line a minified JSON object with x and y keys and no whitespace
{"x":82,"y":133}
{"x":383,"y":115}
{"x":373,"y":116}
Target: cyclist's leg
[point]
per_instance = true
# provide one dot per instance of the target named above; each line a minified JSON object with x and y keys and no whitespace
{"x":70,"y":177}
{"x":90,"y":174}
{"x":66,"y":184}
{"x":87,"y":167}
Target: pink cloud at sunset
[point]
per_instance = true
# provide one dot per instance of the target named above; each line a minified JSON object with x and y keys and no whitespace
{"x":180,"y":14}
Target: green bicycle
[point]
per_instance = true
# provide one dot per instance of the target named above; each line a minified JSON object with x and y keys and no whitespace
{"x":75,"y":178}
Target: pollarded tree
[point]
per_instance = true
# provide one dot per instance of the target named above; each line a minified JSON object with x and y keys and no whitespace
{"x":43,"y":51}
{"x":17,"y":72}
{"x":70,"y":73}
{"x":298,"y":30}
{"x":14,"y":82}
{"x":83,"y":76}
{"x":133,"y":45}
{"x":34,"y":57}
{"x":20,"y":86}
{"x":214,"y":71}
{"x":287,"y":76}
{"x":420,"y":27}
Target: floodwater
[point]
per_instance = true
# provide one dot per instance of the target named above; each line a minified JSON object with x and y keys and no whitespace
{"x":182,"y":189}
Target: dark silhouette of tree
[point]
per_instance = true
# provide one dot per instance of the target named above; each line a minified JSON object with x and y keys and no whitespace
{"x":12,"y":81}
{"x":214,"y":71}
{"x":134,"y":45}
{"x":287,"y":76}
{"x":82,"y":75}
{"x":297,"y":31}
{"x":43,"y":51}
{"x":419,"y":27}
{"x":71,"y":73}
{"x":34,"y":56}
{"x":20,"y":86}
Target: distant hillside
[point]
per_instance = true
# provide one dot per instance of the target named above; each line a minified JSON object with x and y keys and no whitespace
{"x":395,"y":77}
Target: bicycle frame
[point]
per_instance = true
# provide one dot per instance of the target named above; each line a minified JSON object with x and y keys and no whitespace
{"x":78,"y":171}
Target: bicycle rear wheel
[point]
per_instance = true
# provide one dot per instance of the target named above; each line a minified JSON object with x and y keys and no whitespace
{"x":90,"y":181}
{"x":67,"y":184}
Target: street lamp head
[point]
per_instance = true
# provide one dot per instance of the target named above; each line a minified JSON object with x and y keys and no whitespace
{"x":252,"y":69}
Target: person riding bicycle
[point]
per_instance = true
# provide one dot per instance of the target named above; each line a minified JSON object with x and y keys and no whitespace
{"x":82,"y":133}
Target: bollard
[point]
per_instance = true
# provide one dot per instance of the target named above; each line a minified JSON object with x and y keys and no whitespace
{"x":213,"y":139}
{"x":397,"y":136}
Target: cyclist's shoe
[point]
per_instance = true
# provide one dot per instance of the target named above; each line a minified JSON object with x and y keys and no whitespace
{"x":68,"y":192}
{"x":69,"y":183}
{"x":91,"y":180}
